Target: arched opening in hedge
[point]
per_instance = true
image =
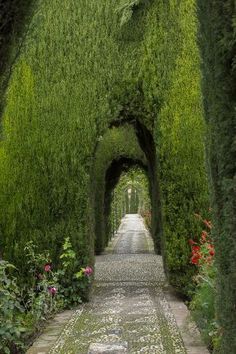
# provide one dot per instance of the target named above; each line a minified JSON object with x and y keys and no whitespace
{"x":148,"y":146}
{"x":113,"y":174}
{"x":140,"y":151}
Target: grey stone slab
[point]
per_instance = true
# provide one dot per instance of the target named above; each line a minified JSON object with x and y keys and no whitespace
{"x":113,"y":348}
{"x":188,"y":329}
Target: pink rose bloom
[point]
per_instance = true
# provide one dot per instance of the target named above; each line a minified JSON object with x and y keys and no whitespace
{"x":88,"y":271}
{"x":52,"y":290}
{"x":47,"y":267}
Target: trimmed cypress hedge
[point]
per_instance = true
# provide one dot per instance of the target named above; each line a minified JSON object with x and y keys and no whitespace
{"x":82,"y":70}
{"x":14,"y":18}
{"x":217,"y":42}
{"x":173,"y":78}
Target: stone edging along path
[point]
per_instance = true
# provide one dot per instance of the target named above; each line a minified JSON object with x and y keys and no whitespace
{"x":52,"y":332}
{"x":129,"y":286}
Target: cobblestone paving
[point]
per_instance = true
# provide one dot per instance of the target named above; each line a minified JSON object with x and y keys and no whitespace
{"x":128,"y":304}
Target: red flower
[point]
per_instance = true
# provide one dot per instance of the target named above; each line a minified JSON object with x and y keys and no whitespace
{"x":212,"y":252}
{"x":195,"y":259}
{"x":47,"y":267}
{"x":196,"y":248}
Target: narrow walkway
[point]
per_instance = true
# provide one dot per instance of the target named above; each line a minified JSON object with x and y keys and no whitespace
{"x":130,"y":309}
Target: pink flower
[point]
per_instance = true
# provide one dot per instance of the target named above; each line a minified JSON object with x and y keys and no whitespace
{"x":52,"y":290}
{"x":88,"y":271}
{"x":47,"y":267}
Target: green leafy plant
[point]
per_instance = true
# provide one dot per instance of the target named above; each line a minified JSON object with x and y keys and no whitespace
{"x":41,"y":299}
{"x":12,"y":326}
{"x":23,"y":310}
{"x":71,"y":277}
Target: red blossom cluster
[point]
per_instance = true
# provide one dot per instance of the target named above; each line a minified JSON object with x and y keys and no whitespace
{"x":203,"y":252}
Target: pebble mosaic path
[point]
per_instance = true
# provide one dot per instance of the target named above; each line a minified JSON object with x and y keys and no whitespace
{"x":131,"y":309}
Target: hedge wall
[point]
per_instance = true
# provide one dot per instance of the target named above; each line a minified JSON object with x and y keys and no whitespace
{"x":82,"y":68}
{"x":14,"y":18}
{"x":217,"y":42}
{"x":115,"y":145}
{"x":172,"y":86}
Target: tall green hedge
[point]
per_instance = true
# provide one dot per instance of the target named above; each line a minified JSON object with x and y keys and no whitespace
{"x":217,"y":41}
{"x":84,"y":67}
{"x":173,"y":79}
{"x":116,"y":143}
{"x":14,"y":19}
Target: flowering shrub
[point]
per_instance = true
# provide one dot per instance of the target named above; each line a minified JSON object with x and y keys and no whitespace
{"x":203,"y":301}
{"x":203,"y":252}
{"x":12,"y":325}
{"x":73,"y":283}
{"x":39,"y":298}
{"x":22,"y":310}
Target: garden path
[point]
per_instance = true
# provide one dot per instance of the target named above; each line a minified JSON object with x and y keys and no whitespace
{"x":132,"y":310}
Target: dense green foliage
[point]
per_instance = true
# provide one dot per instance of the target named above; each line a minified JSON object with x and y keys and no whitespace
{"x":136,"y":62}
{"x":204,"y":296}
{"x":117,"y":149}
{"x":217,"y":40}
{"x":203,"y":308}
{"x":179,"y":128}
{"x":14,"y":18}
{"x":47,"y":290}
